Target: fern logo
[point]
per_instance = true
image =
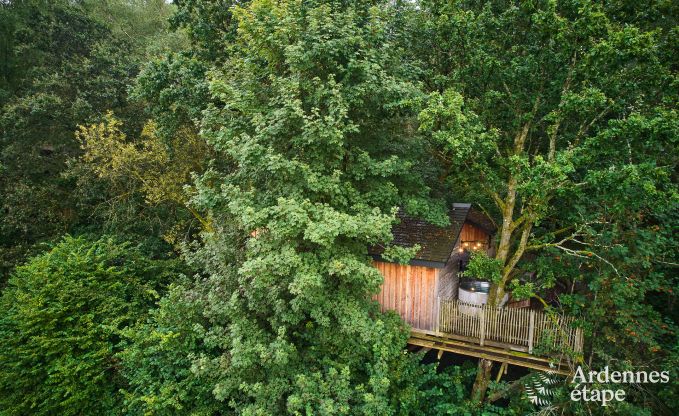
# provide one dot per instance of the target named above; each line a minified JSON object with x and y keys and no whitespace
{"x":540,"y":389}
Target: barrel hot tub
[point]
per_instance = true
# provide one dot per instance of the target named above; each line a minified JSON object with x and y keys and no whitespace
{"x":474,"y":291}
{"x":473,"y":294}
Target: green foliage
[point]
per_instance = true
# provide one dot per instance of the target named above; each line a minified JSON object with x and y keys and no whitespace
{"x":158,"y":360}
{"x":572,"y":105}
{"x":400,"y":254}
{"x":64,"y":63}
{"x":159,"y":171}
{"x":455,"y":128}
{"x":483,"y":267}
{"x":521,"y":290}
{"x":321,"y":118}
{"x":210,"y":26}
{"x":310,"y":119}
{"x":62,"y":321}
{"x":175,"y":90}
{"x":142,"y":23}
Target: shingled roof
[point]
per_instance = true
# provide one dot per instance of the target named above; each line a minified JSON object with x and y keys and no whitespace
{"x":436,"y":243}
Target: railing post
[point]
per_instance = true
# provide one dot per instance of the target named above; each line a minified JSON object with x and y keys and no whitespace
{"x":531,"y":331}
{"x":482,"y":324}
{"x":578,"y":340}
{"x":437,"y":313}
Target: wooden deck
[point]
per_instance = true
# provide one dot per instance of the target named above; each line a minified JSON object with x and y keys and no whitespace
{"x":505,"y":335}
{"x":516,"y":329}
{"x":444,"y":342}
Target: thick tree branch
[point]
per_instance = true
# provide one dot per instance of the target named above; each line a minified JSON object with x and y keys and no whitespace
{"x":520,"y":138}
{"x":525,"y":233}
{"x":514,"y":387}
{"x":555,"y":128}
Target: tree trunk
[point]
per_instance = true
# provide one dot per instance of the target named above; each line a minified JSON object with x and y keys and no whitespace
{"x":509,"y":225}
{"x":482,"y":380}
{"x":497,"y":288}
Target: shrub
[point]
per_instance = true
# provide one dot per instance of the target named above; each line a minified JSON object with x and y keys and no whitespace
{"x":482,"y":267}
{"x":62,"y":318}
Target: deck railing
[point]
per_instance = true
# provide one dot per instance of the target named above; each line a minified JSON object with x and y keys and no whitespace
{"x":521,"y":329}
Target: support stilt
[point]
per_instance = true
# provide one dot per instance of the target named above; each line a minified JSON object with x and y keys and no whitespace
{"x":502,"y":370}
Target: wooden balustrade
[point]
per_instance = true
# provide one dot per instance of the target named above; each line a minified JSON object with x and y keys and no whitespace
{"x":520,"y":329}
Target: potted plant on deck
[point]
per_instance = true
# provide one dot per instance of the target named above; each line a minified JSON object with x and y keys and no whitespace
{"x":479,"y":273}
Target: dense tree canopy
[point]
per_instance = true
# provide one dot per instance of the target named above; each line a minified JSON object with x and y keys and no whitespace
{"x":64,"y":63}
{"x":270,"y":144}
{"x":560,"y":118}
{"x":302,"y":118}
{"x":63,"y":317}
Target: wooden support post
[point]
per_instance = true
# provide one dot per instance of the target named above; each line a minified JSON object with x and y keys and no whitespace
{"x":439,"y":355}
{"x":482,"y":325}
{"x":437,"y":314}
{"x":531,"y":331}
{"x":502,"y":370}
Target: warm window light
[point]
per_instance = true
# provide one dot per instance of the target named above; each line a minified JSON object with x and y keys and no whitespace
{"x":474,"y":245}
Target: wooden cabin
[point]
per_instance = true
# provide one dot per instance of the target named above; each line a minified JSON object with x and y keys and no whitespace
{"x":413,"y":289}
{"x":424,"y":293}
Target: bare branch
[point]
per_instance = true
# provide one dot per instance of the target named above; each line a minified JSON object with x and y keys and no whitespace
{"x":485,"y":211}
{"x":517,"y":385}
{"x":584,"y":128}
{"x":665,"y":262}
{"x":520,"y":139}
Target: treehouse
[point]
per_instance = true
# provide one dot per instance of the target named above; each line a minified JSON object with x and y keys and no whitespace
{"x":447,"y":310}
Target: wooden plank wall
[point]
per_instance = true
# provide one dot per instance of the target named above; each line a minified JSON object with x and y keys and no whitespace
{"x":448,"y":279}
{"x":470,"y":232}
{"x":410,"y":291}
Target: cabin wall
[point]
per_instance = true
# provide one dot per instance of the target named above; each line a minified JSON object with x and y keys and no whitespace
{"x":448,"y":280}
{"x":471,"y":232}
{"x":411,"y":292}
